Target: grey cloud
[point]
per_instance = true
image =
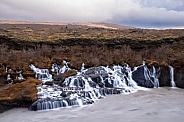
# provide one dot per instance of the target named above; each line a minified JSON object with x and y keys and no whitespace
{"x":177,"y":5}
{"x":139,"y":13}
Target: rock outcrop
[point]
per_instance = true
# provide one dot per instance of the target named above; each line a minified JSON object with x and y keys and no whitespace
{"x":164,"y":76}
{"x":62,"y":76}
{"x":179,"y":77}
{"x":19,"y":94}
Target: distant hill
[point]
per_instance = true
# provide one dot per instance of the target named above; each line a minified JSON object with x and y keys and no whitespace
{"x":5,"y":23}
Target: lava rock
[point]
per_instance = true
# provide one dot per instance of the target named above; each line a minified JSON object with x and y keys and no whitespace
{"x":164,"y":76}
{"x":139,"y":77}
{"x":179,"y":77}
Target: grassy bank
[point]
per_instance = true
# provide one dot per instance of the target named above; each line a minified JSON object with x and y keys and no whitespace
{"x":42,"y":44}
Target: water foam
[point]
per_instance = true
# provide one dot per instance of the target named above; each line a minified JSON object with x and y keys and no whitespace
{"x":89,"y":84}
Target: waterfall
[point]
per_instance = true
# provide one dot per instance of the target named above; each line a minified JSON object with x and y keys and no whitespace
{"x":90,"y":84}
{"x":172,"y":76}
{"x":132,"y":83}
{"x":60,"y":69}
{"x":82,"y":67}
{"x":154,"y":75}
{"x":151,"y":76}
{"x":41,"y":74}
{"x":8,"y":78}
{"x":79,"y":101}
{"x":87,"y":87}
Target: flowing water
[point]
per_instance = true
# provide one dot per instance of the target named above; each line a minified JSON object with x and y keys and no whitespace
{"x":172,"y":76}
{"x":88,"y":96}
{"x":154,"y":105}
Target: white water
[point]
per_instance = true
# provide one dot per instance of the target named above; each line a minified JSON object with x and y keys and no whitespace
{"x":151,"y":74}
{"x":84,"y":88}
{"x":154,"y":75}
{"x":172,"y":76}
{"x":90,"y":90}
{"x":60,"y":69}
{"x":115,"y":78}
{"x":155,"y":105}
{"x":41,"y":74}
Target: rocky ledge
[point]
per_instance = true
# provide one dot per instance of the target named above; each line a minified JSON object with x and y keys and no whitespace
{"x":18,"y":94}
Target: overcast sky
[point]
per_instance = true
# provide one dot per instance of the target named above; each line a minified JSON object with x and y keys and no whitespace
{"x":138,"y":13}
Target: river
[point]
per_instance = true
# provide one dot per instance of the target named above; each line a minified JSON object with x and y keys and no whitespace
{"x":154,"y":105}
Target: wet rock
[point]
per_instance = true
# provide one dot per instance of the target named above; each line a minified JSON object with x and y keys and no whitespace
{"x":164,"y":76}
{"x":97,"y":78}
{"x":63,"y":76}
{"x":4,"y":108}
{"x":64,"y":94}
{"x":95,"y":70}
{"x":179,"y":77}
{"x":58,"y":77}
{"x":48,"y":83}
{"x":3,"y":80}
{"x":139,"y":77}
{"x":74,"y":81}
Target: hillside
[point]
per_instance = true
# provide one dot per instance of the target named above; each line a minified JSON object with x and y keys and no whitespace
{"x":71,"y":41}
{"x":95,"y":44}
{"x":38,"y":31}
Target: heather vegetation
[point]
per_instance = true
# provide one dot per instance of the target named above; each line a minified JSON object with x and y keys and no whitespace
{"x":42,"y":45}
{"x":40,"y":33}
{"x":44,"y":56}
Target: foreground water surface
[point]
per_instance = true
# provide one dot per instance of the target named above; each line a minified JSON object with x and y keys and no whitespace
{"x":161,"y":104}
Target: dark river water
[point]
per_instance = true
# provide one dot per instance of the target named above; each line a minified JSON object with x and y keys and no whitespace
{"x":154,"y":105}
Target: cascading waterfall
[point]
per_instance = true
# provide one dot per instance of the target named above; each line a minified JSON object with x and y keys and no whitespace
{"x":154,"y":76}
{"x":60,"y":69}
{"x":132,"y":83}
{"x":41,"y":74}
{"x":91,"y":84}
{"x":145,"y":77}
{"x":87,"y":87}
{"x":172,"y":76}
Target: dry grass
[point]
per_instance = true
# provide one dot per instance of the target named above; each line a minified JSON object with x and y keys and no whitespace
{"x":43,"y":44}
{"x":91,"y":55}
{"x":48,"y":32}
